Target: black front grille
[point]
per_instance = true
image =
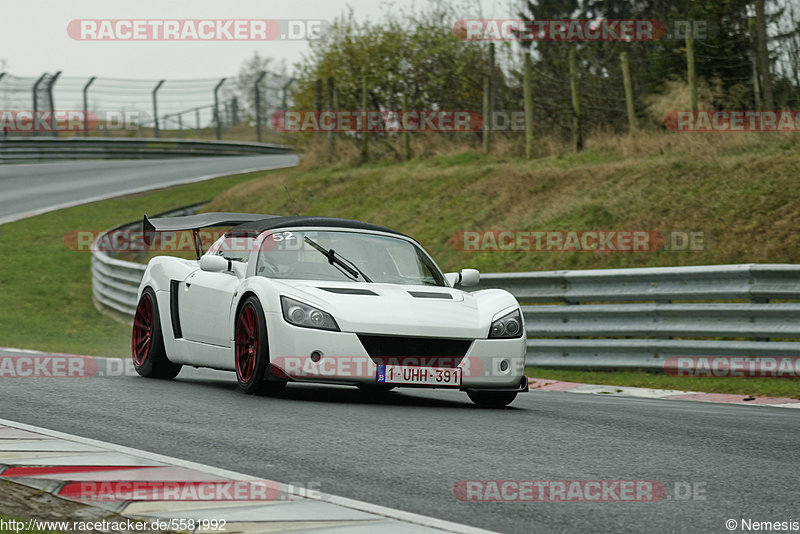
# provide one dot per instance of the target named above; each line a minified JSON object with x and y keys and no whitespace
{"x":415,"y":351}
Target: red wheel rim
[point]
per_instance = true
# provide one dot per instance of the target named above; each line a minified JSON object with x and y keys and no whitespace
{"x":142,"y":330}
{"x":246,"y":343}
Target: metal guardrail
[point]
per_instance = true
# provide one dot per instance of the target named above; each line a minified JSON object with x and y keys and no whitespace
{"x":611,"y":318}
{"x":115,"y":283}
{"x":628,"y":318}
{"x":60,"y":148}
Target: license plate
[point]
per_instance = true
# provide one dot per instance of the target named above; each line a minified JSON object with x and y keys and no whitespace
{"x":426,"y":376}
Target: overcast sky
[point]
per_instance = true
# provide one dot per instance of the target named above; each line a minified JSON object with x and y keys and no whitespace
{"x":34,"y":38}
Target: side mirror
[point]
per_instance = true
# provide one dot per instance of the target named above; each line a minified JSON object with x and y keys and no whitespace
{"x":213,"y":264}
{"x":470,"y":277}
{"x":466,"y":278}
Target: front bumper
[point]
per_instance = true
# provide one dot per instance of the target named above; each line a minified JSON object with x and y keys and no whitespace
{"x":305,"y":354}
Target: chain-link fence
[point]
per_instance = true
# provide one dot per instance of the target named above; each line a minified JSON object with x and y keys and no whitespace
{"x":204,"y":108}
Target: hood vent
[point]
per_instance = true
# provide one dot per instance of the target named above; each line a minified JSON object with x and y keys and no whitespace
{"x":348,"y":291}
{"x":430,"y":295}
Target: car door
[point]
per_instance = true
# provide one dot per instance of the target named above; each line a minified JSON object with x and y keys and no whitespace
{"x":204,"y":303}
{"x":205,"y":298}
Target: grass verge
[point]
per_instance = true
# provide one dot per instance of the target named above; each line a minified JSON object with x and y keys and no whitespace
{"x":770,"y":387}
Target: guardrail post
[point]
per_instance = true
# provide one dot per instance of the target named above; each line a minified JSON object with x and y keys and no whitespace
{"x":86,"y":106}
{"x":51,"y":82}
{"x":36,"y":104}
{"x":760,"y":300}
{"x":155,"y":108}
{"x":216,"y":107}
{"x":257,"y":95}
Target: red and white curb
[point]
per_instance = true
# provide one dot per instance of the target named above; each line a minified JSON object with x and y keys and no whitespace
{"x":66,"y":466}
{"x":541,"y":384}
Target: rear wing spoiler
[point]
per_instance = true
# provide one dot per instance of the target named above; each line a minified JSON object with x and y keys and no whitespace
{"x":195,"y":223}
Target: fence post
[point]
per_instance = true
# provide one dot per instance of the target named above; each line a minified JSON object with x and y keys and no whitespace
{"x":763,"y":55}
{"x":365,"y":130}
{"x":317,"y":103}
{"x":86,"y":106}
{"x":318,"y":95}
{"x":36,"y":104}
{"x":4,"y":131}
{"x":406,"y":133}
{"x":576,"y":99}
{"x":690,"y":72}
{"x":257,"y":95}
{"x":155,"y":108}
{"x":527,"y":90}
{"x":197,"y":120}
{"x":329,"y":107}
{"x":180,"y":125}
{"x":626,"y":81}
{"x":487,"y":101}
{"x":753,"y":30}
{"x":50,"y":83}
{"x":235,"y":111}
{"x":216,"y":108}
{"x":284,"y":90}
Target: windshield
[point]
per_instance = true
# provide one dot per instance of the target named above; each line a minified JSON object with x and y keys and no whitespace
{"x":381,"y":259}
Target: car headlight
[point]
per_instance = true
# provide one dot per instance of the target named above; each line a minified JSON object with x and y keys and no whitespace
{"x":300,"y":314}
{"x":509,"y":325}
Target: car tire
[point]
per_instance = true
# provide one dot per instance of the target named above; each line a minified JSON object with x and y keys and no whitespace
{"x":251,"y":351}
{"x":147,"y":341}
{"x":492,"y":399}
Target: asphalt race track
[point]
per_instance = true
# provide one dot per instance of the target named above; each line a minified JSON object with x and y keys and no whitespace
{"x":28,"y":189}
{"x":407,"y":449}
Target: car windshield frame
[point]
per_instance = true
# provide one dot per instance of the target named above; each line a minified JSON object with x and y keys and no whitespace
{"x":330,"y":272}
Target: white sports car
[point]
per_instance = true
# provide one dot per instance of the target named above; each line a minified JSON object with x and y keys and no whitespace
{"x":328,"y":300}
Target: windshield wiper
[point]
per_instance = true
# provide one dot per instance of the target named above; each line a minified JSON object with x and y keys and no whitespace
{"x":339,"y":261}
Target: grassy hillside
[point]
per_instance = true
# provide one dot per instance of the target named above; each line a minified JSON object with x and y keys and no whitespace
{"x":742,"y":192}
